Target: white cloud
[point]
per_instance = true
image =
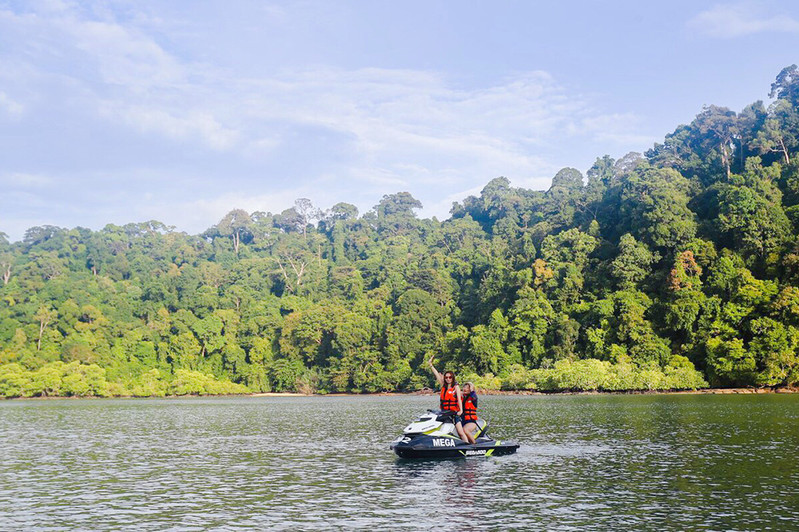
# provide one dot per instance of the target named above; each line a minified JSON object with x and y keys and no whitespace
{"x":194,"y":123}
{"x":386,"y":113}
{"x":728,"y":21}
{"x":353,"y":134}
{"x":24,"y":181}
{"x":125,"y":57}
{"x":10,"y":106}
{"x":398,"y":117}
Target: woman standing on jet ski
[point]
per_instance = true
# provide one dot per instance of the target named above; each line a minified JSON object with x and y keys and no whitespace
{"x":451,"y":399}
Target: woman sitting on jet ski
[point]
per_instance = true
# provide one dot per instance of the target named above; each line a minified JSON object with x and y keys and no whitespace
{"x":469,"y":409}
{"x":451,"y":399}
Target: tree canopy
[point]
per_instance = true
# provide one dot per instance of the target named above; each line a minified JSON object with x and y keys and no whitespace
{"x":672,"y":269}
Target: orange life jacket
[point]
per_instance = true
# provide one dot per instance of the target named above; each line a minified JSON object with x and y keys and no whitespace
{"x":449,"y":399}
{"x":470,"y":409}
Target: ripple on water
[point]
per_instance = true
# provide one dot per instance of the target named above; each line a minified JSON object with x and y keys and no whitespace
{"x":585,"y":462}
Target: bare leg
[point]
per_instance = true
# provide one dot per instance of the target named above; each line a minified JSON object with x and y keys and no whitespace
{"x":469,"y":429}
{"x":465,"y":437}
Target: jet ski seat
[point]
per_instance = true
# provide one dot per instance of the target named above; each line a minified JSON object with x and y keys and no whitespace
{"x":482,"y":429}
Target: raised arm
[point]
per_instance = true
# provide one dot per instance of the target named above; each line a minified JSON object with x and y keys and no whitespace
{"x":439,"y":376}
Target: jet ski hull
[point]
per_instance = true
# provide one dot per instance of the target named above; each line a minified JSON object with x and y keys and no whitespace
{"x":426,"y":446}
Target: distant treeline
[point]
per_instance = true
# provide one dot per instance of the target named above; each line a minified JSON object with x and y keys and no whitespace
{"x":672,"y":269}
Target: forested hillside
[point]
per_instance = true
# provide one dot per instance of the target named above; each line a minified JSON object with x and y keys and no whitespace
{"x":627,"y":278}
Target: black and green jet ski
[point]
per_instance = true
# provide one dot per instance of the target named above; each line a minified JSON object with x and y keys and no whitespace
{"x":433,"y":435}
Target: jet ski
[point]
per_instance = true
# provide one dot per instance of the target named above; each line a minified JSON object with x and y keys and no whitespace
{"x":434,"y":435}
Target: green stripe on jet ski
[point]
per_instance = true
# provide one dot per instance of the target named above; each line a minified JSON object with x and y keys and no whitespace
{"x":440,"y":435}
{"x":488,"y":452}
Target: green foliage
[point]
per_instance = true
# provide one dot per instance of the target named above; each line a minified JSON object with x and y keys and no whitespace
{"x":483,"y":383}
{"x":751,"y":218}
{"x":189,"y":382}
{"x":285,"y":374}
{"x":89,"y":380}
{"x":728,"y":361}
{"x":15,"y":381}
{"x":601,"y":375}
{"x":630,"y":279}
{"x":633,"y":263}
{"x":654,"y":208}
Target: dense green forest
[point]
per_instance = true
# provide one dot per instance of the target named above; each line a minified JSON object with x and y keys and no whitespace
{"x":673,"y":269}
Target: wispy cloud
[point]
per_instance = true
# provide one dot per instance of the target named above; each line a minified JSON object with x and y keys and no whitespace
{"x":358,"y":132}
{"x":188,"y":125}
{"x":24,"y":181}
{"x":728,"y":21}
{"x":10,"y":106}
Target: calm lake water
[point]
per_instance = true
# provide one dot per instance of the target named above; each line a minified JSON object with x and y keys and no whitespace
{"x":318,"y":463}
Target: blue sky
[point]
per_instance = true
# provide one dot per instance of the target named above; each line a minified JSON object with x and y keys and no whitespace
{"x":115,"y":112}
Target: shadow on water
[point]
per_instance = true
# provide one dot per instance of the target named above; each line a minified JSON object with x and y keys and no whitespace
{"x":425,"y":464}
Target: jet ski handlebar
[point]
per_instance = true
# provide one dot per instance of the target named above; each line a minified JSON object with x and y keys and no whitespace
{"x":443,"y":415}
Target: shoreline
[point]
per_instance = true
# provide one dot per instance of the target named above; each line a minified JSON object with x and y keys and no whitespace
{"x":429,"y":392}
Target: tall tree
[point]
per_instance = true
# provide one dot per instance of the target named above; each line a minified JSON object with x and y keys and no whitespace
{"x":236,"y":225}
{"x":719,"y":127}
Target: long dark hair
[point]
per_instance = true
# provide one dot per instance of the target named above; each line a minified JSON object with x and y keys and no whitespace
{"x":454,"y":380}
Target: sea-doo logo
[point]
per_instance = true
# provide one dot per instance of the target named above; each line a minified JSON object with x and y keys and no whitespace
{"x":475,"y":453}
{"x":443,"y":442}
